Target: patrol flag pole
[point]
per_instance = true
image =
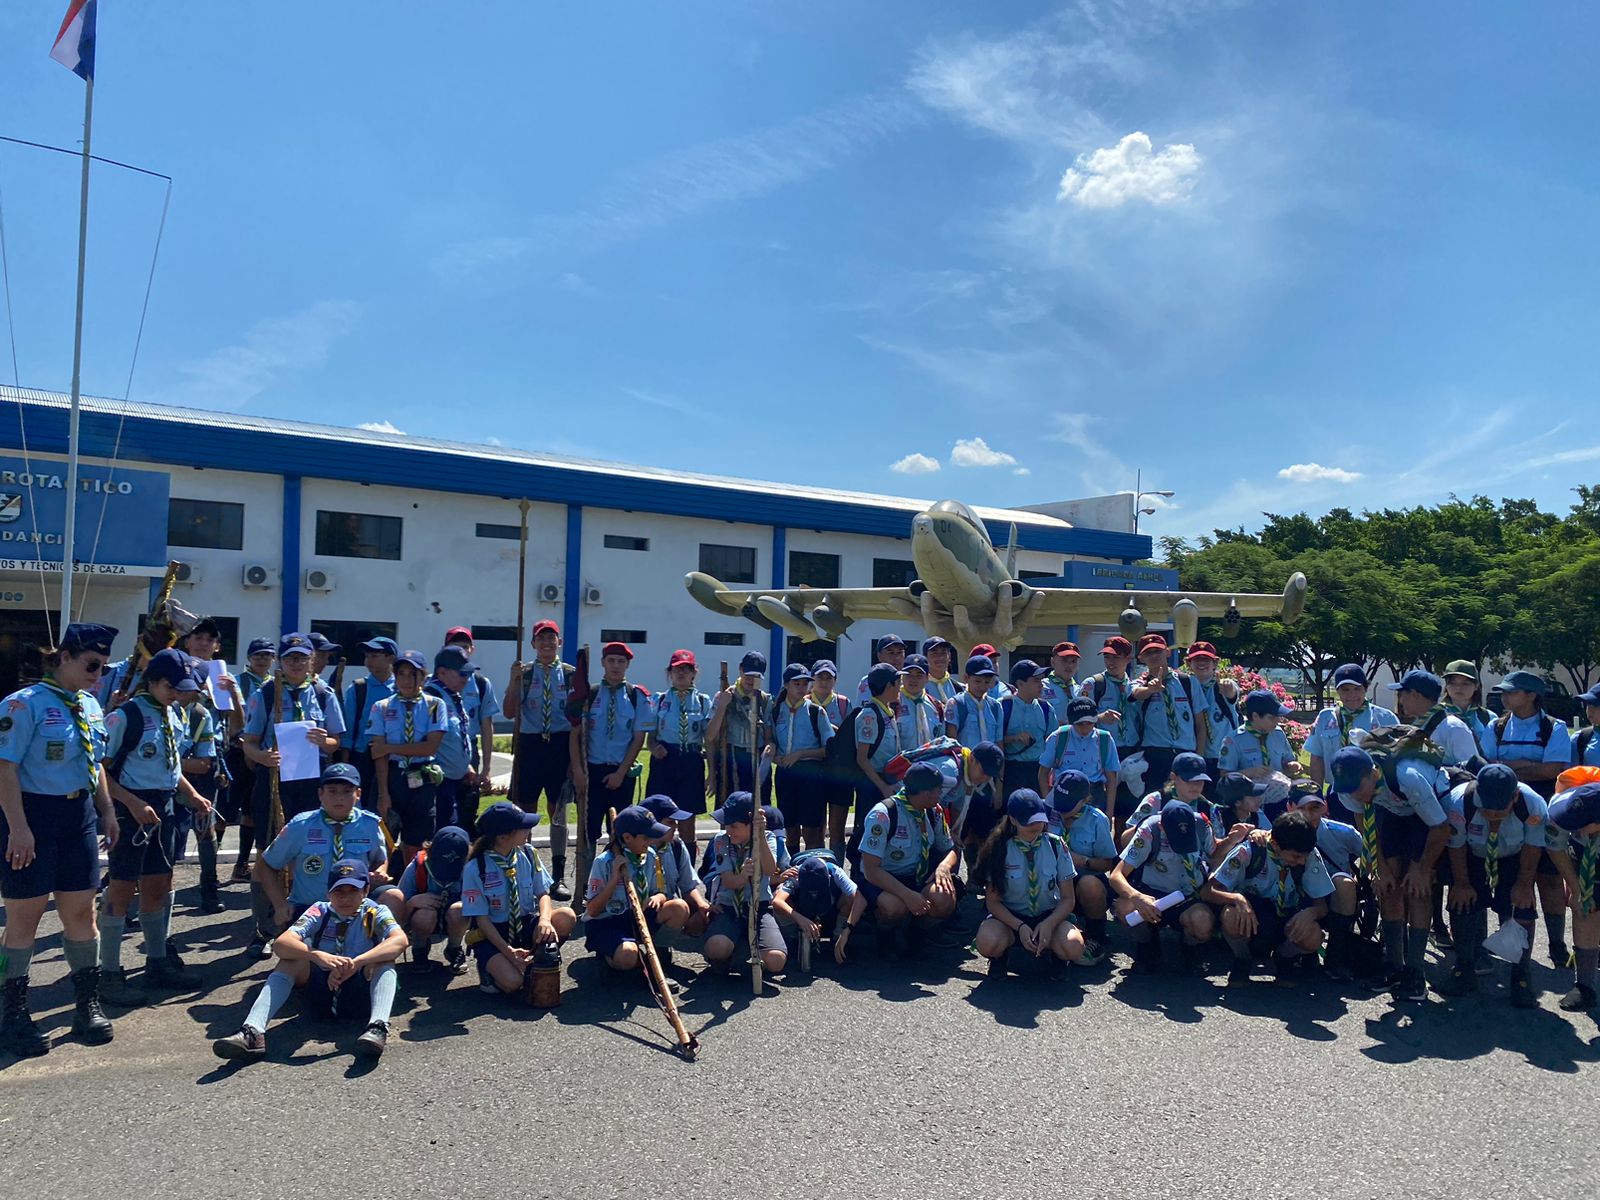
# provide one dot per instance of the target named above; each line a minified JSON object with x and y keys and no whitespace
{"x":522,"y":587}
{"x":688,"y":1044}
{"x":758,"y":844}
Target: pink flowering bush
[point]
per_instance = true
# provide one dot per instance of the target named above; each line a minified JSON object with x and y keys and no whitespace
{"x":1250,"y":681}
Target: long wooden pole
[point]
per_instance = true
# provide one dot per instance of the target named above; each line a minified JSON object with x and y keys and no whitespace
{"x":688,"y":1044}
{"x":719,"y":768}
{"x":585,"y":855}
{"x":276,"y":814}
{"x":758,"y":842}
{"x":522,"y":691}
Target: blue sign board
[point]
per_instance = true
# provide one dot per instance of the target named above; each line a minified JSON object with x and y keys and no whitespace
{"x":1116,"y":577}
{"x":122,"y":518}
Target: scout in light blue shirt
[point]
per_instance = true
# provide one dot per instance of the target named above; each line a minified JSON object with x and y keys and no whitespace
{"x":39,"y":732}
{"x":322,"y":929}
{"x":1033,"y":874}
{"x":313,"y":841}
{"x":1089,"y":834}
{"x":877,"y":718}
{"x":365,"y":694}
{"x":942,"y":685}
{"x":617,"y":713}
{"x":909,"y":843}
{"x":454,"y":755}
{"x":1333,"y":726}
{"x":647,"y":870}
{"x":801,"y":727}
{"x":1253,"y":870}
{"x":1157,"y":867}
{"x":545,"y":688}
{"x":1524,"y":823}
{"x":1081,"y":746}
{"x":1061,"y":685}
{"x":1167,"y":716}
{"x":154,"y":762}
{"x":727,"y":859}
{"x":1525,"y":733}
{"x":311,"y":701}
{"x":407,"y":720}
{"x":1025,"y":719}
{"x":1111,"y":691}
{"x":1259,"y":747}
{"x":921,"y":717}
{"x":486,"y":890}
{"x":682,"y":715}
{"x":975,"y":715}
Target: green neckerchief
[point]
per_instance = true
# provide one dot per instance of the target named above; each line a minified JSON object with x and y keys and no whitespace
{"x":1030,"y":851}
{"x":1347,"y":720}
{"x":74,"y":703}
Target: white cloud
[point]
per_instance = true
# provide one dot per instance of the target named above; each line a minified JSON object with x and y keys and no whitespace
{"x":1317,"y":473}
{"x":915,"y":464}
{"x":235,"y":375}
{"x":658,"y":400}
{"x":491,"y":440}
{"x":1099,"y":468}
{"x":975,"y":452}
{"x":380,"y":427}
{"x":1131,"y":170}
{"x":1021,"y":471}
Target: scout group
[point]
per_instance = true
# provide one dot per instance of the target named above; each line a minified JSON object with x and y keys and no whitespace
{"x":1144,"y":796}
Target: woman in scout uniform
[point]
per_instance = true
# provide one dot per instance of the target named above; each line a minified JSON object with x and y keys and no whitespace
{"x":431,"y":896}
{"x":258,"y":670}
{"x":1030,"y":895}
{"x":1497,"y":838}
{"x":1463,"y":697}
{"x":1332,"y":729}
{"x":1575,"y":849}
{"x":1217,"y":697}
{"x":736,"y":869}
{"x":677,"y":743}
{"x":505,"y":892}
{"x":1258,"y":747}
{"x":800,"y":734}
{"x":1081,"y":745}
{"x":1274,"y":895}
{"x":406,"y":730}
{"x":975,"y":714}
{"x":544,"y":759}
{"x":1025,"y":721}
{"x":144,"y":771}
{"x":1087,"y":831}
{"x":1167,"y":853}
{"x":616,"y":720}
{"x":53,"y":802}
{"x":942,"y":686}
{"x":341,"y":952}
{"x":611,"y":930}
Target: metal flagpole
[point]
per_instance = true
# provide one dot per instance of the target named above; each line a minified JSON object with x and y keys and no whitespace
{"x":69,"y":533}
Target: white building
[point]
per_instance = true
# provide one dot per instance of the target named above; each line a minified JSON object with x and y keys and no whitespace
{"x":291,"y":526}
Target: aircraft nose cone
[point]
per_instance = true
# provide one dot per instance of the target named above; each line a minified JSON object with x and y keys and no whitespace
{"x":921,"y":525}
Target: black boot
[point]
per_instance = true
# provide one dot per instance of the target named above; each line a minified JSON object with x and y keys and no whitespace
{"x":1522,"y":993}
{"x":210,"y":891}
{"x":18,"y":1033}
{"x":558,"y":871}
{"x":88,"y":1019}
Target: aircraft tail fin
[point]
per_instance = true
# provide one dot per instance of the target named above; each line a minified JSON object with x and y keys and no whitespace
{"x":1011,"y":553}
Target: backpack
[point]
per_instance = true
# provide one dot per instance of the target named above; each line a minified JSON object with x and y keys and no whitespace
{"x":1547,"y":727}
{"x":940,"y":748}
{"x":1009,"y":703}
{"x":131,"y":737}
{"x":1102,"y":740}
{"x":1389,"y":745}
{"x":1581,"y":744}
{"x":1222,"y":708}
{"x":1469,"y":804}
{"x":839,"y":756}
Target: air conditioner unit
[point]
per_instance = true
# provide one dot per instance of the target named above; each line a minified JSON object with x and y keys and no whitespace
{"x":188,"y":573}
{"x":593,"y":595}
{"x":259,"y":575}
{"x":551,"y":593}
{"x":319,"y":580}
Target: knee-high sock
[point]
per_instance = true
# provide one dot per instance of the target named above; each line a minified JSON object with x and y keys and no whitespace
{"x":206,"y":848}
{"x":1464,"y":931}
{"x":80,"y":954}
{"x":269,"y":1000}
{"x":1416,"y":946}
{"x":1394,"y":949}
{"x":110,"y":939}
{"x":1555,"y":926}
{"x":558,"y":832}
{"x":155,"y":926}
{"x":247,"y":839}
{"x":16,"y":961}
{"x":1239,"y":945}
{"x":1588,"y":967}
{"x":382,"y":992}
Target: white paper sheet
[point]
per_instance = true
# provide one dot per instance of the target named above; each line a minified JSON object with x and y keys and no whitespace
{"x":220,"y":696}
{"x":298,"y":758}
{"x":1166,"y":902}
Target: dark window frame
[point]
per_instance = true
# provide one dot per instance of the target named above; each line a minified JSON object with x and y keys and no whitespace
{"x":509,"y":533}
{"x":229,"y":517}
{"x":629,"y":637}
{"x":330,"y":543}
{"x":710,"y":565}
{"x":350,"y":634}
{"x":887,"y":572}
{"x":724,"y":639}
{"x":625,"y":541}
{"x":803,"y":572}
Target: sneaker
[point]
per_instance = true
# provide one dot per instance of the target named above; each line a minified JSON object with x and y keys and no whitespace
{"x":1385,"y":980}
{"x":115,"y":989}
{"x":247,"y":1045}
{"x":455,"y":957}
{"x":1463,"y":981}
{"x":371,"y":1043}
{"x":1522,"y":991}
{"x":173,"y":959}
{"x":160,"y":973}
{"x":258,"y":948}
{"x":1094,"y":953}
{"x":1239,"y":974}
{"x":1412,"y":986}
{"x":1580,"y":999}
{"x":488,"y":986}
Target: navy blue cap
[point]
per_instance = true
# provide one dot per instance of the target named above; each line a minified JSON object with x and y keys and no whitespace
{"x":1236,"y":785}
{"x":1576,"y":808}
{"x":1081,"y":709}
{"x":1262,"y":702}
{"x":414,"y":660}
{"x":1424,"y":683}
{"x":753,"y":663}
{"x":197,"y":679}
{"x":1592,"y":696}
{"x":1349,"y":673}
{"x":454,"y":658}
{"x":664,"y":808}
{"x":990,"y":758}
{"x":1525,"y":681}
{"x":637,"y":821}
{"x":824,"y":666}
{"x":933,"y":643}
{"x":447,"y":854}
{"x":796,"y":671}
{"x":981,"y":664}
{"x":168,"y":666}
{"x":813,"y":870}
{"x":294,"y":643}
{"x":82,"y":635}
{"x":341,"y":773}
{"x":503,"y":817}
{"x":880,"y":677}
{"x":1026,"y":808}
{"x":1497,"y":786}
{"x":922,"y":777}
{"x":916,"y":662}
{"x":1190,"y":768}
{"x":320,"y":642}
{"x":1072,"y":789}
{"x":738,"y":809}
{"x":1350,"y":766}
{"x":261,"y":646}
{"x":347,"y":872}
{"x":381,"y":645}
{"x":773,"y":818}
{"x":1179,"y":825}
{"x":1025,"y":669}
{"x":887,"y":640}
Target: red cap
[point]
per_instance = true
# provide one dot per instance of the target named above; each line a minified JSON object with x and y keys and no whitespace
{"x":460,"y":631}
{"x":1152,"y":641}
{"x":985,"y":649}
{"x":1066,"y":650}
{"x":680,"y":658}
{"x":1202,"y":650}
{"x":611,"y":648}
{"x":540,"y":627}
{"x":1117,"y":645}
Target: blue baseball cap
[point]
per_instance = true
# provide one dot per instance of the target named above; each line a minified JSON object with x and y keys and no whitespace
{"x":1524,"y":681}
{"x":447,"y":854}
{"x":1190,"y":768}
{"x":916,"y":662}
{"x":922,"y":777}
{"x":168,"y":666}
{"x":198,"y":678}
{"x":824,"y":666}
{"x":1236,"y":785}
{"x":453,"y":658}
{"x":1592,"y":696}
{"x":981,"y":664}
{"x":881,"y":677}
{"x":294,"y":643}
{"x":381,"y":645}
{"x":261,"y":646}
{"x":990,"y":759}
{"x":83,"y":635}
{"x":1350,"y":766}
{"x":933,"y":643}
{"x":796,"y":671}
{"x":1179,"y":824}
{"x":1349,"y":673}
{"x":888,"y":640}
{"x":1576,"y":808}
{"x":637,"y":821}
{"x":340,"y":773}
{"x":1424,"y":683}
{"x":738,"y":809}
{"x":772,"y":816}
{"x":320,"y":642}
{"x":1497,"y":786}
{"x":1262,"y":703}
{"x":414,"y":660}
{"x":1072,"y":789}
{"x":1026,"y":808}
{"x":347,"y":872}
{"x":1025,"y":669}
{"x":503,"y":817}
{"x":1081,"y":709}
{"x":664,"y":808}
{"x":753,"y":663}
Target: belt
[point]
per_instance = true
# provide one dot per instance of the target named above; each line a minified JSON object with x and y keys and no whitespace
{"x":683,"y":747}
{"x":70,"y":796}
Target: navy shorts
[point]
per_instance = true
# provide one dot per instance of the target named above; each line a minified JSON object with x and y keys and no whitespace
{"x":801,"y":796}
{"x":66,"y":841}
{"x":1269,"y":924}
{"x":1401,"y":837}
{"x":352,"y":1000}
{"x":413,"y":805}
{"x":736,"y":928}
{"x":604,"y":935}
{"x":982,"y":814}
{"x":483,"y":950}
{"x":145,"y":849}
{"x":1478,"y":876}
{"x":680,"y":775}
{"x":455,"y":802}
{"x":872,"y":891}
{"x":295,"y":796}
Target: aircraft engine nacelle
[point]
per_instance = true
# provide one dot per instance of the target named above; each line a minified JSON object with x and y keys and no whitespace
{"x":1131,"y":624}
{"x":785,"y":618}
{"x":830,"y":620}
{"x":1185,"y":622}
{"x":704,"y":589}
{"x":1294,"y":598}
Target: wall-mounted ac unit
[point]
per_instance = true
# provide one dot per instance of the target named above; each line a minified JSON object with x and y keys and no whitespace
{"x":188,"y":573}
{"x":551,"y":593}
{"x":319,"y":579}
{"x":593,"y":596}
{"x":259,"y":575}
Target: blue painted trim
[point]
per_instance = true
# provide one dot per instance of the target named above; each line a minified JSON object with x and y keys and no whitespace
{"x":574,"y":585}
{"x":148,"y":439}
{"x":1072,"y":634}
{"x":289,"y":581}
{"x":776,"y":643}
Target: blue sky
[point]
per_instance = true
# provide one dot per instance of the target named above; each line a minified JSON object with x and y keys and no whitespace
{"x":1276,"y":257}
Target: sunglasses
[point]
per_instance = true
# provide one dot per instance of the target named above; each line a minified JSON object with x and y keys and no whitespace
{"x":95,"y":666}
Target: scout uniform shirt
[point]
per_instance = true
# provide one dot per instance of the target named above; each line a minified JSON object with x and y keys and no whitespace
{"x":404,"y":722}
{"x":312,"y":843}
{"x":309,"y":702}
{"x":648,"y":872}
{"x":816,"y":903}
{"x":199,"y":730}
{"x":1475,"y":718}
{"x":1168,"y":718}
{"x":1057,"y":693}
{"x":1245,"y":748}
{"x":1514,"y":831}
{"x":480,"y":700}
{"x":877,"y":724}
{"x":1340,"y":846}
{"x":1585,"y":854}
{"x":320,"y":928}
{"x":1520,"y":741}
{"x":908,"y":842}
{"x":920,"y":720}
{"x":1034,"y":873}
{"x":975,"y":720}
{"x":1208,"y":816}
{"x":1030,"y":717}
{"x":1158,"y":868}
{"x":1221,"y":715}
{"x":55,"y":738}
{"x":836,"y":709}
{"x":250,"y":683}
{"x":154,"y":763}
{"x":410,"y":885}
{"x":358,"y":725}
{"x":1258,"y":871}
{"x":111,"y":678}
{"x":1112,"y":695}
{"x":1089,"y":834}
{"x":682,"y":717}
{"x":725,"y":856}
{"x":455,"y":756}
{"x":1330,"y":732}
{"x":944,"y":690}
{"x":1453,"y":737}
{"x":544,"y":698}
{"x":677,"y":868}
{"x":1421,"y":785}
{"x":804,"y":727}
{"x":1096,"y":755}
{"x":613,"y":716}
{"x":736,"y":718}
{"x":487,"y":890}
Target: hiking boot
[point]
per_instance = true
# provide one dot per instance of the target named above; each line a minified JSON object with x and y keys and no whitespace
{"x":173,"y":959}
{"x":210,"y":899}
{"x":241,"y":873}
{"x":1239,"y":974}
{"x":558,"y":871}
{"x":421,"y":960}
{"x":258,"y":948}
{"x":1411,"y":987}
{"x":160,"y":973}
{"x":89,"y":1020}
{"x":1580,"y":999}
{"x":115,"y":989}
{"x":1284,"y":970}
{"x":371,"y":1043}
{"x":18,"y":1033}
{"x":247,"y":1045}
{"x":1463,"y":981}
{"x":1522,"y":995}
{"x":455,"y":957}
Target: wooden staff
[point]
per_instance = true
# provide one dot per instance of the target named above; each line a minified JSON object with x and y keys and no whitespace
{"x":585,"y":855}
{"x":275,"y":817}
{"x":688,"y":1044}
{"x":719,"y":766}
{"x":522,"y":691}
{"x":758,"y":842}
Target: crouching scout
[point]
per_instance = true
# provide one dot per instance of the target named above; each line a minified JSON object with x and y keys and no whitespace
{"x":737,"y":870}
{"x":505,"y":892}
{"x":1274,"y":897}
{"x":822,"y":901}
{"x":612,"y":928}
{"x":1087,"y":830}
{"x":431,"y":887}
{"x":1167,"y":853}
{"x":908,"y":858}
{"x":1575,"y":851}
{"x":1030,"y":895}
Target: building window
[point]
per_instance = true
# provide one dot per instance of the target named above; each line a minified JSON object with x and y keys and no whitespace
{"x":511,"y":533}
{"x":893,"y":572}
{"x":357,"y":535}
{"x":730,"y":564}
{"x":494,"y":633}
{"x":1027,"y":575}
{"x":350,"y":634}
{"x":810,"y":653}
{"x":229,"y":627}
{"x":724,"y":639}
{"x":631,"y":637}
{"x":205,"y":524}
{"x":617,"y":541}
{"x":813,"y":570}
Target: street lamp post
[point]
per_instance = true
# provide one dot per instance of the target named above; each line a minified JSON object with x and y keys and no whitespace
{"x":1139,"y":495}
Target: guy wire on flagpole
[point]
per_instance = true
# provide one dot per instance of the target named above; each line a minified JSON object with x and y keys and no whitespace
{"x":69,"y":532}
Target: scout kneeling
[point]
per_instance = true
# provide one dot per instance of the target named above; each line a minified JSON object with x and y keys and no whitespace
{"x":1030,"y":897}
{"x":908,"y":858}
{"x":1274,"y":893}
{"x":431,"y":886}
{"x":736,"y":868}
{"x":342,"y":951}
{"x":1167,"y":855}
{"x":612,"y":930}
{"x":822,"y":901}
{"x":505,"y":892}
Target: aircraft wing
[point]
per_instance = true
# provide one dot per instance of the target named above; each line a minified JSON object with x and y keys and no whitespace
{"x":1093,"y":606}
{"x":806,"y":612}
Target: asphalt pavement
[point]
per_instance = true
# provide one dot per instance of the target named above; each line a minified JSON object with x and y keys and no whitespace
{"x":879,"y":1079}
